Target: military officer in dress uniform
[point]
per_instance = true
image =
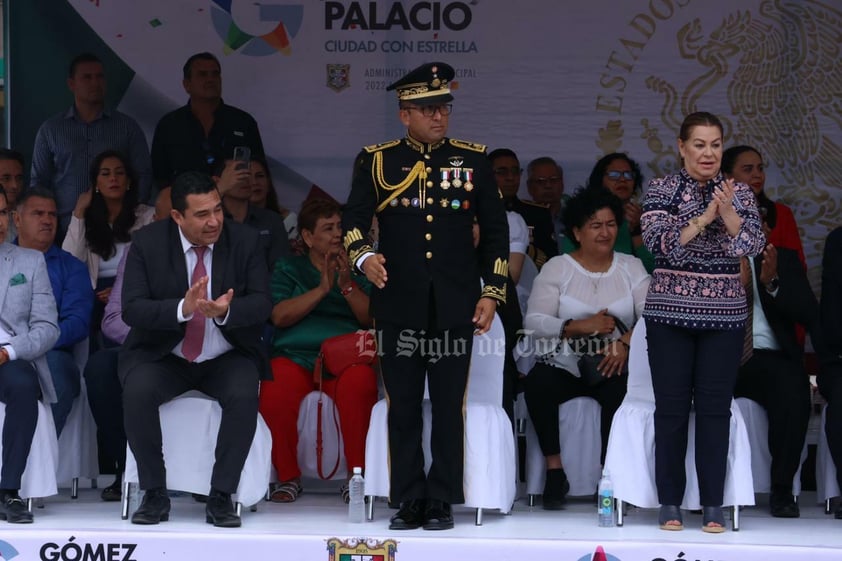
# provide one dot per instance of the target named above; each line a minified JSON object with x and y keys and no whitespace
{"x":426,"y":190}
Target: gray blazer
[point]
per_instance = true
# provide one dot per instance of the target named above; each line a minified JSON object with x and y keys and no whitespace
{"x":28,"y":310}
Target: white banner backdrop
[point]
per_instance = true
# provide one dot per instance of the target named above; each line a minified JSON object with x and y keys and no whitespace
{"x":571,"y":80}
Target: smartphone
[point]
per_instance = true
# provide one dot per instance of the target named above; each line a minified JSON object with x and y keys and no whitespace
{"x":242,"y":155}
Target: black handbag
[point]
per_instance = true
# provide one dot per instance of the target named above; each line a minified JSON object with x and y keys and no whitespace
{"x":589,"y":361}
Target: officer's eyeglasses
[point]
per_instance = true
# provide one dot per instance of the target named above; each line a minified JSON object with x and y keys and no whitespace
{"x":616,"y":175}
{"x":503,"y":172}
{"x":430,"y":110}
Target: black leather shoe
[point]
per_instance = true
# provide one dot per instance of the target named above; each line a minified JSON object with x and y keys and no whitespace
{"x":220,"y":512}
{"x":409,"y":517}
{"x":556,"y":488}
{"x":438,"y":515}
{"x":837,"y":514}
{"x":113,"y":492}
{"x":13,"y":509}
{"x":154,"y":508}
{"x":783,"y":505}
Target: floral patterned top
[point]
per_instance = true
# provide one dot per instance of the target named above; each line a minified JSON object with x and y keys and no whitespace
{"x":697,"y":285}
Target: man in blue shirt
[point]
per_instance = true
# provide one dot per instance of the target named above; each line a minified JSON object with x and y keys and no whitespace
{"x":67,"y":143}
{"x":36,"y":221}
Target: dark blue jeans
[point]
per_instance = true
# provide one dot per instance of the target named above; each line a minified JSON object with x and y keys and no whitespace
{"x":65,"y":375}
{"x":19,"y":390}
{"x":699,"y":368}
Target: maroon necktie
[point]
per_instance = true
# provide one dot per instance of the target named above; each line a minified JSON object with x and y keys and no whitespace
{"x":748,"y":341}
{"x":194,"y":333}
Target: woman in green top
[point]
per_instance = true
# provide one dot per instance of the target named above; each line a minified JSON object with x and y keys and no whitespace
{"x":621,"y":175}
{"x":316,"y":297}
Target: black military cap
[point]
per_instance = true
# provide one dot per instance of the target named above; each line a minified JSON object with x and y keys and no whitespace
{"x":429,"y":84}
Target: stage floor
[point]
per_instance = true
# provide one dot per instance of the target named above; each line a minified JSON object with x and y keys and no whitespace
{"x":87,"y":529}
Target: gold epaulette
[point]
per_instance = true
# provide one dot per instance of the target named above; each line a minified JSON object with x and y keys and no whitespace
{"x":468,"y":145}
{"x":533,"y":203}
{"x":381,"y":146}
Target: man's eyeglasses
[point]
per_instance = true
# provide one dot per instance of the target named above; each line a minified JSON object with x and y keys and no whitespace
{"x":545,"y":181}
{"x":616,"y":175}
{"x":502,"y":172}
{"x":430,"y":110}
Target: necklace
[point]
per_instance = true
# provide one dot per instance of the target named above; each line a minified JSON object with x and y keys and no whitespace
{"x":595,"y":281}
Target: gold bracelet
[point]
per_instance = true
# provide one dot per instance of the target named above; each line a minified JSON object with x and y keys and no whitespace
{"x":699,"y":226}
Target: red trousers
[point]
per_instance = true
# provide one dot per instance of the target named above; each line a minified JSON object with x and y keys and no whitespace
{"x":354,"y":392}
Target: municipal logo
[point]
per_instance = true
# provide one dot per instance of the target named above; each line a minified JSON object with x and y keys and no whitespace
{"x":338,"y":76}
{"x":361,"y":549}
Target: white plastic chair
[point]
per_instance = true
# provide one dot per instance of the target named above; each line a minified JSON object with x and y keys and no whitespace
{"x":189,"y":427}
{"x":827,"y":487}
{"x":581,"y":443}
{"x":39,"y":476}
{"x":77,"y":448}
{"x":489,"y":476}
{"x":631,"y":446}
{"x":757,"y":429}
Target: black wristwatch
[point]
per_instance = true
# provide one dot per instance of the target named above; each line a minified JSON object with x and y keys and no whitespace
{"x":773,"y":284}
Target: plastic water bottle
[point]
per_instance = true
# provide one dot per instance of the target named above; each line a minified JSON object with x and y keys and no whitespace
{"x":605,"y":507}
{"x":356,"y":491}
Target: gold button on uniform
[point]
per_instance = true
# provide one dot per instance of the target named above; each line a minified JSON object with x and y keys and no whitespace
{"x":429,"y":218}
{"x":430,"y":200}
{"x":429,"y":170}
{"x":428,"y":236}
{"x":429,"y":255}
{"x":429,"y":184}
{"x":426,"y":156}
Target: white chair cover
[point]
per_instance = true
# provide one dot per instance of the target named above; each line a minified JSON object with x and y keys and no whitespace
{"x":189,"y":427}
{"x":332,"y":444}
{"x":77,"y":449}
{"x":580,"y":440}
{"x":757,"y":428}
{"x":489,"y":478}
{"x":39,"y":476}
{"x":631,"y":445}
{"x":826,"y":485}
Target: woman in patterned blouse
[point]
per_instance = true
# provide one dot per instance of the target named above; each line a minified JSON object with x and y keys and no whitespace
{"x":698,"y":226}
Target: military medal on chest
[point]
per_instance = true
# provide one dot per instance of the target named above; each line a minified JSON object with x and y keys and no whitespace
{"x":445,"y":178}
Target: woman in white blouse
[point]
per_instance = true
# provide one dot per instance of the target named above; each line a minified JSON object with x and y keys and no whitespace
{"x":575,"y":296}
{"x":102,"y":223}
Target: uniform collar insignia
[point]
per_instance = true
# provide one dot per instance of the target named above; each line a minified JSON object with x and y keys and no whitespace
{"x":423,"y":147}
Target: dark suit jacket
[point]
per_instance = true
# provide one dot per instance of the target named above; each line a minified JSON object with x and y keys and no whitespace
{"x":794,"y":304}
{"x":156,"y":280}
{"x":426,"y":229}
{"x":542,"y":246}
{"x":831,"y":312}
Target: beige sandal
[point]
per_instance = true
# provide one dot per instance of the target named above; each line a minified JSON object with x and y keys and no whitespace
{"x":285,"y":492}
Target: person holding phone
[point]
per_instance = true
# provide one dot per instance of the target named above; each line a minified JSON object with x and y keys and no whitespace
{"x":205,"y":131}
{"x":233,"y":180}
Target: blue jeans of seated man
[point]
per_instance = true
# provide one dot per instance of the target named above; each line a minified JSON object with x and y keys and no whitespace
{"x":66,"y":379}
{"x":19,"y":391}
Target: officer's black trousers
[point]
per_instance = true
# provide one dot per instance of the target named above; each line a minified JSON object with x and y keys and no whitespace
{"x":408,"y":357}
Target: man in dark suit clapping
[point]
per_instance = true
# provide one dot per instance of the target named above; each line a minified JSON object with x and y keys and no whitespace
{"x":196,"y":296}
{"x":772,"y":372}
